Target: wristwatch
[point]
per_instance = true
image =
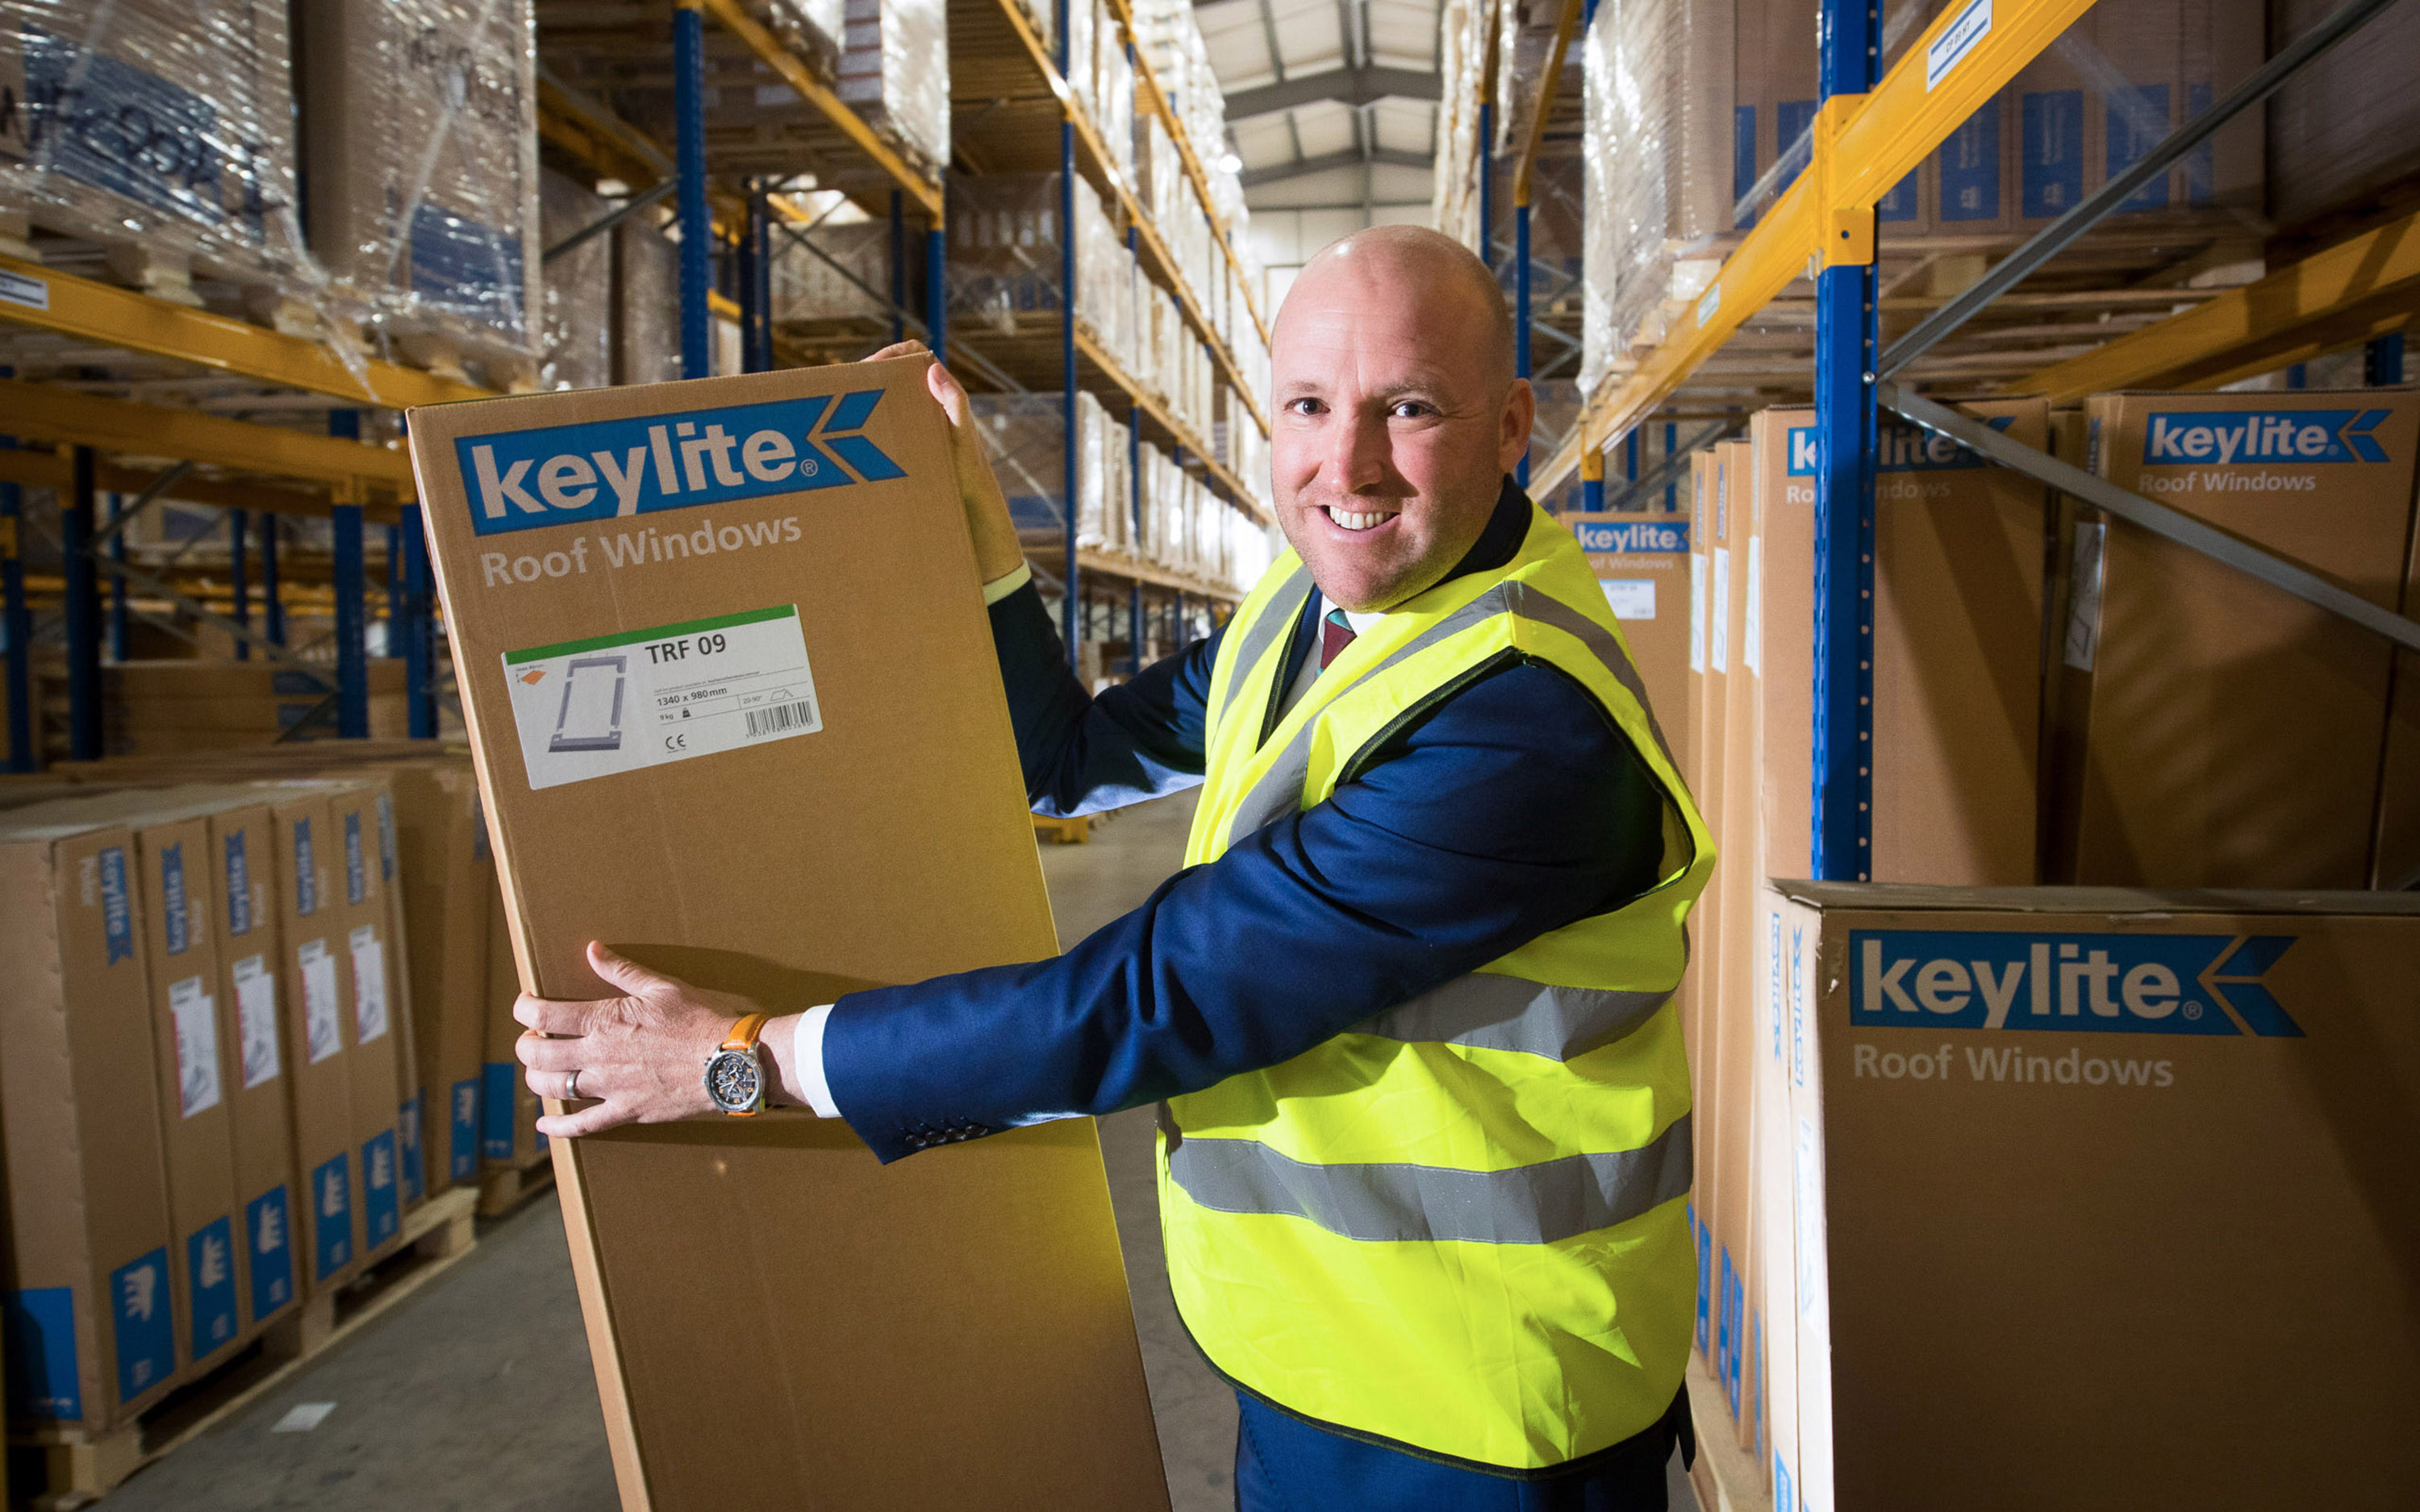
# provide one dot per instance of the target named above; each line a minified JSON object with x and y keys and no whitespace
{"x":734,"y":1074}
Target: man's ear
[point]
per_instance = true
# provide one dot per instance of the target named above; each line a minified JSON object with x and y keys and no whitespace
{"x":1520,"y":414}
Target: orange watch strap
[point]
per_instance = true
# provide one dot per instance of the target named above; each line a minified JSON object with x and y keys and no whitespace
{"x":744,"y":1033}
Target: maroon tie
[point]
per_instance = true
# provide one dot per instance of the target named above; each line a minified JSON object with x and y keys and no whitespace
{"x":1335,"y":634}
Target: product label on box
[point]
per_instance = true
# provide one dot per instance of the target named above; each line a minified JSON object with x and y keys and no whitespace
{"x":2068,"y":982}
{"x":323,"y":1035}
{"x":175,"y":921}
{"x":1634,"y":536}
{"x":256,"y":1020}
{"x":369,"y":985}
{"x":39,"y":1326}
{"x":239,"y":887}
{"x":618,"y":469}
{"x":381,"y":1204}
{"x":331,"y":1200}
{"x":196,"y":1015}
{"x":462,"y":1141}
{"x":146,"y":1328}
{"x":1630,"y":598}
{"x":210,"y":1274}
{"x":640,"y":698}
{"x":116,"y":907}
{"x":272,"y":1227}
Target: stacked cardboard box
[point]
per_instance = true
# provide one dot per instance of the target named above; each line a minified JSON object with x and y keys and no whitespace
{"x":171,"y":707}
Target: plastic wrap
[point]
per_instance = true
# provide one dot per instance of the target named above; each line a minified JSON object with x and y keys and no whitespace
{"x":578,"y":350}
{"x":894,"y":70}
{"x":646,"y":302}
{"x":420,"y":133}
{"x":843,"y":277}
{"x":1115,"y":88}
{"x":162,"y":130}
{"x":1004,"y":246}
{"x":814,"y":29}
{"x":1462,"y":53}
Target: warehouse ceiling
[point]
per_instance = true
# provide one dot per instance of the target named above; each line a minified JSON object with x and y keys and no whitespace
{"x":1343,"y":91}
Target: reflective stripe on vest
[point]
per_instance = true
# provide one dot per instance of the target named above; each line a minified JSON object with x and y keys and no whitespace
{"x":1457,"y":1224}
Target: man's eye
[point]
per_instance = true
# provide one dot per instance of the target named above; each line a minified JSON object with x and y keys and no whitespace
{"x":1305,"y":407}
{"x":1409,"y":409}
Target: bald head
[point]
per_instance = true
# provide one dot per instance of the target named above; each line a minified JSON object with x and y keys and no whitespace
{"x":1445,"y":281}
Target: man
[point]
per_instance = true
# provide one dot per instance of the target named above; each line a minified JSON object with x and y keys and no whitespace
{"x":1406,"y":1012}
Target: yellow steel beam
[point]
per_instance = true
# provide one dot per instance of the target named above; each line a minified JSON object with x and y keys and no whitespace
{"x":39,"y":469}
{"x":107,"y":315}
{"x":734,"y":18}
{"x":42,"y":411}
{"x":2357,"y":288}
{"x":1548,"y":88}
{"x":613,"y":149}
{"x":1864,"y":144}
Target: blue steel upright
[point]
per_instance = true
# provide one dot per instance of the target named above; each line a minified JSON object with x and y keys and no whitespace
{"x":117,"y":605}
{"x":1134,"y":484}
{"x":2381,"y":361}
{"x":419,"y":628}
{"x":898,"y":267}
{"x":240,"y":574}
{"x":937,"y":294}
{"x":272,"y":608}
{"x":346,"y":581}
{"x":697,"y":224}
{"x":1070,"y":603}
{"x":757,"y":283}
{"x":1846,"y":340}
{"x":83,"y":611}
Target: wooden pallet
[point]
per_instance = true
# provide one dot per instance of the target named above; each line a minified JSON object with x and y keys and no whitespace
{"x":506,"y":1189}
{"x":81,"y":1467}
{"x":1074,"y":831}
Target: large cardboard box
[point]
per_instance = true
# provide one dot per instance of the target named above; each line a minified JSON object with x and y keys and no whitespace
{"x":245,"y":851}
{"x":1642,"y":563}
{"x":361,"y":928}
{"x":2233,"y":732}
{"x":1731,"y":955}
{"x":747,"y":726}
{"x":1710,"y":571}
{"x":2101,"y":1199}
{"x":508,"y":1110}
{"x":317,"y":985}
{"x":90,"y":1330}
{"x":448,"y":885}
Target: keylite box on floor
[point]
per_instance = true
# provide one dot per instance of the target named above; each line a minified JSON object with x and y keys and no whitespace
{"x":726,"y":667}
{"x":314,"y":985}
{"x":362,"y":925}
{"x":2098,"y":1198}
{"x":90,"y":1329}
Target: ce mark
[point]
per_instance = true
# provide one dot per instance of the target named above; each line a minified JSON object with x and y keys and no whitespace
{"x":678,"y":742}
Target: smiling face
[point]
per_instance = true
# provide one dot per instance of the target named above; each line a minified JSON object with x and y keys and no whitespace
{"x":1397,"y":413}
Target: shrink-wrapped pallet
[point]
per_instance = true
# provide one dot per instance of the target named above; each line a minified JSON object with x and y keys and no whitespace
{"x":833,"y":272}
{"x":646,"y":305}
{"x":815,"y":29}
{"x":894,"y":70}
{"x":162,"y":131}
{"x":578,"y":351}
{"x":1025,"y":436}
{"x":420,"y":135}
{"x":1004,"y":246}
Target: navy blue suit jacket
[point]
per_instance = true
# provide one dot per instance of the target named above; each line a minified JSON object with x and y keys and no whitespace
{"x":1514,"y":809}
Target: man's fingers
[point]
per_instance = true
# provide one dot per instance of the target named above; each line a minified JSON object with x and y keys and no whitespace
{"x":902,"y":348}
{"x":557,"y":1085}
{"x":548,"y":1016}
{"x":620,"y":971}
{"x":594,"y":1118}
{"x":538,"y":1053}
{"x":951,"y":396}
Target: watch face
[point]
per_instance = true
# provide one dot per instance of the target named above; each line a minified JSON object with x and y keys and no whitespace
{"x":733,"y":1079}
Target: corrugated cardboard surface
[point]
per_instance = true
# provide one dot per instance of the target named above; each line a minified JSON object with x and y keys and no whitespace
{"x":1732,"y":1211}
{"x":88,"y":1232}
{"x":243,"y":846}
{"x":309,"y":869}
{"x":2121,"y":1262}
{"x":363,"y":929}
{"x":2234,"y":731}
{"x":953,"y":1330}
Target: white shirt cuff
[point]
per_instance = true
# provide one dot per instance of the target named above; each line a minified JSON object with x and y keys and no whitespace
{"x":808,"y":1046}
{"x":1000,"y":588}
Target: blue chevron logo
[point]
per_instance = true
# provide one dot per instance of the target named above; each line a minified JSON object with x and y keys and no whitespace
{"x":617,"y":469}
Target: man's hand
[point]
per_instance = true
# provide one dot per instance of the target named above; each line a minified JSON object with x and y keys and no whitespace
{"x":643,"y":1057}
{"x":996,"y":551}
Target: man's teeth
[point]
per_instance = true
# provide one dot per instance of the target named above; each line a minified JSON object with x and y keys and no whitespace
{"x":1356,"y":522}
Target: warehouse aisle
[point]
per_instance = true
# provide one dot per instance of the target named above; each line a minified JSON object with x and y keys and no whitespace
{"x":475,"y":1394}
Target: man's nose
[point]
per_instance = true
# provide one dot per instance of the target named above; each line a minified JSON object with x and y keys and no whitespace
{"x":1357,"y":453}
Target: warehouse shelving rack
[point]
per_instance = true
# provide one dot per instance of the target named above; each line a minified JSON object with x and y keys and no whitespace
{"x":1006,"y":77}
{"x":1870,"y":130}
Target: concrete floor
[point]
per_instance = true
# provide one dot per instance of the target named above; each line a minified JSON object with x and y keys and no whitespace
{"x":475,"y":1393}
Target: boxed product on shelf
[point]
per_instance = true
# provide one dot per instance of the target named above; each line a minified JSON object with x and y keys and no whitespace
{"x":577,"y":345}
{"x":163,"y":132}
{"x":646,"y":305}
{"x":2157,"y":1132}
{"x":362,"y":927}
{"x":815,"y":29}
{"x":2232,"y":734}
{"x":894,"y":70}
{"x":90,"y":1329}
{"x":833,"y":272}
{"x":419,"y":123}
{"x":908,"y":809}
{"x":173,"y":706}
{"x":1641,"y":563}
{"x":316,"y":981}
{"x":2348,"y":125}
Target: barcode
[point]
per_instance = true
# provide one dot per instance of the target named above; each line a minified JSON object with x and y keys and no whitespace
{"x":774,"y":718}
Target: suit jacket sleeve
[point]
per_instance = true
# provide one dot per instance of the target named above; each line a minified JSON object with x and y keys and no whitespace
{"x":1514,"y":809}
{"x":1082,"y":753}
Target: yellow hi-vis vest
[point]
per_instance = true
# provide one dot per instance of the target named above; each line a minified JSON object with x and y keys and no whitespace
{"x":1458,"y":1226}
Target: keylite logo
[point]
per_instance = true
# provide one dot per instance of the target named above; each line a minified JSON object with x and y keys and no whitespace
{"x":2067,"y":983}
{"x":614,"y":468}
{"x":2180,"y":437}
{"x":1898,"y":448}
{"x":1636,"y":535}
